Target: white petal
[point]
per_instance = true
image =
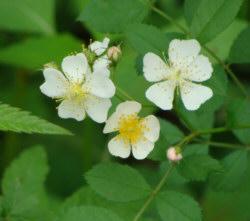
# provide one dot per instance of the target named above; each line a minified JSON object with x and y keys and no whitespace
{"x":55,"y":84}
{"x":128,"y":107}
{"x":99,"y":85}
{"x":183,"y":52}
{"x":199,"y":70}
{"x":142,"y":148}
{"x":153,"y":128}
{"x":162,"y":94}
{"x":71,"y":108}
{"x":154,"y":68}
{"x":102,"y":63}
{"x":99,"y":47}
{"x":75,"y":67}
{"x":118,"y":148}
{"x":97,"y":108}
{"x":112,"y":123}
{"x":193,"y":95}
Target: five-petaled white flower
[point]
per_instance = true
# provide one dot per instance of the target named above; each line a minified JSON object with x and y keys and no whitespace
{"x":78,"y":89}
{"x":99,"y":48}
{"x":137,"y":133}
{"x":185,"y":66}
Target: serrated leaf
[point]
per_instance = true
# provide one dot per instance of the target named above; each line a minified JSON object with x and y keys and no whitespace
{"x":238,"y":113}
{"x":169,"y":135}
{"x":23,"y":181}
{"x":88,"y":213}
{"x":117,"y":182}
{"x":13,"y":119}
{"x":210,"y":17}
{"x":146,"y":38}
{"x":198,"y":167}
{"x":27,"y":15}
{"x":176,"y":206}
{"x":113,"y":15}
{"x":240,"y":50}
{"x":197,"y":148}
{"x":88,"y":197}
{"x":39,"y":51}
{"x":235,"y":165}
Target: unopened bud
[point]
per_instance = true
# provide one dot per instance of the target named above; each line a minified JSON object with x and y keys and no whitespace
{"x":51,"y":65}
{"x":114,"y":53}
{"x":174,"y":154}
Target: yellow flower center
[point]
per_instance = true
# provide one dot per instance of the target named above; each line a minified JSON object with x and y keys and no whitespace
{"x":131,"y":129}
{"x":76,"y":91}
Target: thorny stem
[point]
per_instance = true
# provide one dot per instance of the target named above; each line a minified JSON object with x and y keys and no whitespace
{"x":219,"y":144}
{"x":154,"y":192}
{"x":182,"y":143}
{"x":226,"y":67}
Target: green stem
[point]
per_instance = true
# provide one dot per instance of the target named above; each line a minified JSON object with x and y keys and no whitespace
{"x":125,"y":94}
{"x":229,"y":71}
{"x":219,"y":144}
{"x":120,"y":98}
{"x":186,"y":121}
{"x":154,"y":192}
{"x":224,"y":129}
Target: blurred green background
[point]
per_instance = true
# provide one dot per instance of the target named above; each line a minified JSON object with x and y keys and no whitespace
{"x":25,"y":45}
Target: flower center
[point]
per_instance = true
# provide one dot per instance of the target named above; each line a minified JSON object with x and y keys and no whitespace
{"x":76,"y":91}
{"x":131,"y":129}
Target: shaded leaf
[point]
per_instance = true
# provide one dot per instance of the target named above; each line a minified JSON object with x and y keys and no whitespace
{"x":240,"y":50}
{"x":210,"y":17}
{"x":113,"y":15}
{"x":176,"y":206}
{"x":27,"y":15}
{"x":39,"y":51}
{"x":117,"y":182}
{"x":235,"y":165}
{"x":198,"y":166}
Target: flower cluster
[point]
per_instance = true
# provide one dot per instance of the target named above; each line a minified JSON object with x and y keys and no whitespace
{"x":84,"y":86}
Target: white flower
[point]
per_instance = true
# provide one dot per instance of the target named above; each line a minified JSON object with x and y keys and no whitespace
{"x":172,"y":155}
{"x":185,"y":66}
{"x":137,"y":133}
{"x":79,"y":90}
{"x":99,"y":47}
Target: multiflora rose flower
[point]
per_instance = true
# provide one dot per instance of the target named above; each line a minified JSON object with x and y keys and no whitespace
{"x":185,"y":66}
{"x":136,"y":133}
{"x":79,"y":90}
{"x":174,"y":154}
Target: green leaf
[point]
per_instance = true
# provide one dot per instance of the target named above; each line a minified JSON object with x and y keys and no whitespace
{"x":176,"y":206}
{"x":113,"y":15}
{"x":13,"y":119}
{"x":27,"y":15}
{"x":39,"y":51}
{"x":238,"y":113}
{"x":88,"y":197}
{"x":117,"y":182}
{"x":235,"y":165}
{"x":169,"y":135}
{"x":146,"y":38}
{"x":240,"y":50}
{"x":218,"y":83}
{"x":88,"y":213}
{"x":207,"y":18}
{"x":198,"y":148}
{"x":198,"y":167}
{"x":23,"y":181}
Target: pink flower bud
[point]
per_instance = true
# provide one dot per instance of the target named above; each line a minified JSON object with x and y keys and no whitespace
{"x":172,"y":156}
{"x":114,"y":53}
